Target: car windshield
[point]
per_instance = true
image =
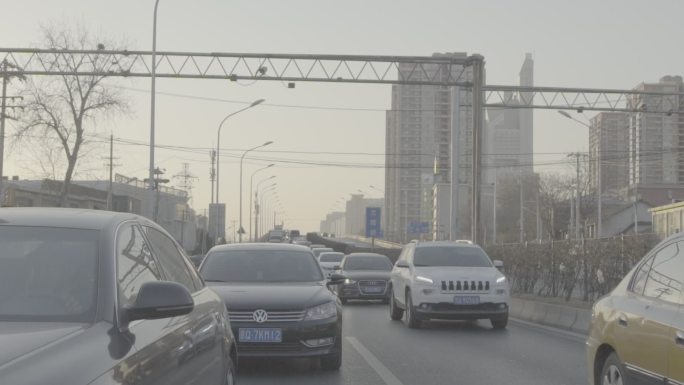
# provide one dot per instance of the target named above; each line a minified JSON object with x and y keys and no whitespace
{"x":260,"y":266}
{"x":331,"y":257}
{"x":367,"y":263}
{"x":47,"y":274}
{"x":451,"y":256}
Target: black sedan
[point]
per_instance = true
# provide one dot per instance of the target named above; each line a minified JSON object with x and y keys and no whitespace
{"x":278,"y":301}
{"x":366,"y":275}
{"x":96,"y":297}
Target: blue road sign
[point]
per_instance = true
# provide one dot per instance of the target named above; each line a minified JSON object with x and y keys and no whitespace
{"x":417,"y":227}
{"x":373,"y":225}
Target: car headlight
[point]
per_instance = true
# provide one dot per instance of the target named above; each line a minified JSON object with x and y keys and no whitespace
{"x":501,"y":280}
{"x":421,"y":279}
{"x":326,"y":310}
{"x":349,"y":281}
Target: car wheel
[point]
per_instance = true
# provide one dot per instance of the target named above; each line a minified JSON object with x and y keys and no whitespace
{"x":230,"y":374}
{"x":613,"y":371}
{"x":333,"y":361}
{"x":396,"y":313}
{"x":499,"y":322}
{"x":411,"y":317}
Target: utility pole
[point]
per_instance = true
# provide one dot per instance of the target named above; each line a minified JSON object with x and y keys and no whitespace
{"x":577,"y":156}
{"x":187,"y":179}
{"x":212,"y":173}
{"x":3,"y":116}
{"x":110,"y":164}
{"x":494,"y":210}
{"x":522,"y":211}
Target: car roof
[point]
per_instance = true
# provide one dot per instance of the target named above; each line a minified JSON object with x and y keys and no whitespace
{"x":353,"y":255}
{"x":261,"y":246}
{"x":63,"y":217}
{"x":444,"y":244}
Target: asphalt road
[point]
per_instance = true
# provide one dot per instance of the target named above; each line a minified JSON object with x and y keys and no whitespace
{"x":378,"y":351}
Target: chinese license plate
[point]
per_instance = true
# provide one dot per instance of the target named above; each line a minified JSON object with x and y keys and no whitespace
{"x":373,"y":290}
{"x":261,"y":335}
{"x":467,"y":300}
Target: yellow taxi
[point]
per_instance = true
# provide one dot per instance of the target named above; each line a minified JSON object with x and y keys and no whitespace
{"x":637,"y":331}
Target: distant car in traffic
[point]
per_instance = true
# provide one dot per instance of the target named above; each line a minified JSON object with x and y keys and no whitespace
{"x":275,"y":239}
{"x":278,"y":301}
{"x":367,"y":277}
{"x":302,"y":242}
{"x":197,"y":259}
{"x":97,"y":297}
{"x":448,"y":280}
{"x":316,"y":246}
{"x":637,"y":331}
{"x":317,"y":251}
{"x":329,"y":260}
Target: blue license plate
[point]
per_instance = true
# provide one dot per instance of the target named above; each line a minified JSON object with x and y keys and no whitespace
{"x":261,"y":335}
{"x":467,"y":300}
{"x":373,"y":290}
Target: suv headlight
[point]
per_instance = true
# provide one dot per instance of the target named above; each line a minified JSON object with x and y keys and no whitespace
{"x":326,"y":310}
{"x":349,"y":281}
{"x":424,"y":280}
{"x":501,"y":280}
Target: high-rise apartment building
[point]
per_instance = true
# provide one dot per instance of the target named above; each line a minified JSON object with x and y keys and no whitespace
{"x":609,"y":148}
{"x":418,"y":146}
{"x":509,"y":134}
{"x":656,"y":141}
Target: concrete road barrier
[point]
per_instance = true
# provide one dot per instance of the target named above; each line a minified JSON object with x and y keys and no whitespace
{"x":559,"y":316}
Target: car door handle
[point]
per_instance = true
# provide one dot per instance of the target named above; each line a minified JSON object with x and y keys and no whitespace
{"x":622,"y":320}
{"x":679,"y":337}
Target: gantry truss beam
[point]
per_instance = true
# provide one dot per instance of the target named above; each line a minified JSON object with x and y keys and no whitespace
{"x":582,"y":99}
{"x":414,"y":70}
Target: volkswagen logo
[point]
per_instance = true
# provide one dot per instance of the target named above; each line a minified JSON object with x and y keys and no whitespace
{"x":260,"y":316}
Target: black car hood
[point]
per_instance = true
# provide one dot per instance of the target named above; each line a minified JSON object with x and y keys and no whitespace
{"x":366,"y":274}
{"x":274,"y":296}
{"x":21,"y":338}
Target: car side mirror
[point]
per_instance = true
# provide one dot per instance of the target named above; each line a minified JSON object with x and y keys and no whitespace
{"x":402,"y":264}
{"x":336,"y":279}
{"x":498,"y":264}
{"x":160,"y":299}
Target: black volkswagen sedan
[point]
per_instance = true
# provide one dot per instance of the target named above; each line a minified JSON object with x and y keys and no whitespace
{"x":366,"y":275}
{"x":103,"y":298}
{"x":278,"y":301}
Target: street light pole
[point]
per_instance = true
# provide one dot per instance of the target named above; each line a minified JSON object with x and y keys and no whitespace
{"x":260,"y":217}
{"x":151,"y":194}
{"x":252,"y":210}
{"x":218,"y":142}
{"x":242,"y":158}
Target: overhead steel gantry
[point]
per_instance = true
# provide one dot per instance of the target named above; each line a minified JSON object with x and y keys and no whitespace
{"x":409,"y":70}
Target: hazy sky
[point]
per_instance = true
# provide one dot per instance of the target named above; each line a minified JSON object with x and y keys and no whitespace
{"x":579,"y":43}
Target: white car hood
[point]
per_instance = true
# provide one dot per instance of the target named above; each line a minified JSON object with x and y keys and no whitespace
{"x":445,"y":273}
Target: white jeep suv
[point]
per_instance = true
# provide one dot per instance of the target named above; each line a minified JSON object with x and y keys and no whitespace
{"x":448,"y":280}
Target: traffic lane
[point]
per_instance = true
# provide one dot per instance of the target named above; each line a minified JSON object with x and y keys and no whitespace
{"x":354,"y":370}
{"x":378,"y":351}
{"x":452,"y":352}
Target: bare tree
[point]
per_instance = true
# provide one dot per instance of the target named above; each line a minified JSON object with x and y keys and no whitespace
{"x":66,"y":108}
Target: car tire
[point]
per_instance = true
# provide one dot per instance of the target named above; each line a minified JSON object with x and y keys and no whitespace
{"x":230,"y":378}
{"x":411,"y":317}
{"x":396,"y":313}
{"x":499,"y":323}
{"x":612,"y":372}
{"x":333,"y":361}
